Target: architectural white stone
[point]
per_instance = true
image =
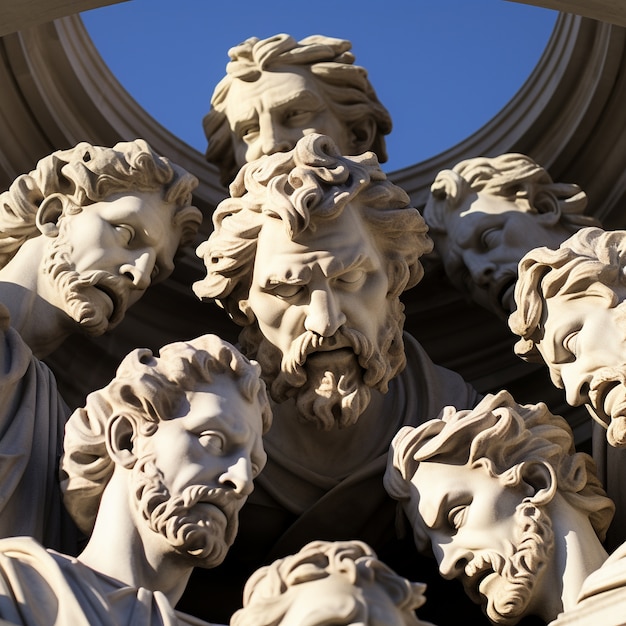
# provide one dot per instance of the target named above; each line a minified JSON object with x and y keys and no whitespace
{"x":484,"y":214}
{"x":505,"y":504}
{"x":337,"y":582}
{"x":156,"y":467}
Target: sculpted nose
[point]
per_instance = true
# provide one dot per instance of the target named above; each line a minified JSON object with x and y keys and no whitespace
{"x":139,"y":269}
{"x":324,"y":315}
{"x":452,"y":560}
{"x":480,"y":268}
{"x":576,"y":382}
{"x":238,"y":476}
{"x":274,"y":138}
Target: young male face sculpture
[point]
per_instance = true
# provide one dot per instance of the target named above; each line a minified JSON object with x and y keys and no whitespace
{"x":278,"y":89}
{"x":91,"y":228}
{"x":171,"y":446}
{"x":312,"y":265}
{"x":341,"y":583}
{"x":485,"y":489}
{"x":485,"y":214}
{"x":570,"y":315}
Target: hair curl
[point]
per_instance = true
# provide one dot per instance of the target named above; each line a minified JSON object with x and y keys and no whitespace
{"x":87,"y":174}
{"x":265,"y":599}
{"x":349,"y":94}
{"x":147,"y":389}
{"x":510,"y":438}
{"x":512,"y":176}
{"x":311,"y":182}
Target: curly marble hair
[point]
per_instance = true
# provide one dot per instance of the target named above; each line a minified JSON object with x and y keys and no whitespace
{"x":592,"y":256}
{"x":513,"y":176}
{"x":146,"y":389}
{"x":311,"y":182}
{"x":349,"y":94}
{"x":266,"y":598}
{"x":507,"y":439}
{"x":87,"y":174}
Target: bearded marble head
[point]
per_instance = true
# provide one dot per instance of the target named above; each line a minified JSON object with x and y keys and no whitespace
{"x":111,"y":219}
{"x":277,"y":90}
{"x":484,"y":214}
{"x":476,"y":486}
{"x":186,"y":427}
{"x":310,"y":254}
{"x":570,"y":314}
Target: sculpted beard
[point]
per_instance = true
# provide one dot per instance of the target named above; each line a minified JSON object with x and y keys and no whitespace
{"x":331,"y":385}
{"x":205,"y":538}
{"x":73,"y":287}
{"x":509,"y":595}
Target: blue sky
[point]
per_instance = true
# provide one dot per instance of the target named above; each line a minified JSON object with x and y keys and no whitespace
{"x":465,"y":58}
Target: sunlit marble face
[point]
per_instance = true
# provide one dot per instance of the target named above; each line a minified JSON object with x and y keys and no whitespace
{"x":483,"y":533}
{"x":322,"y":309}
{"x":270,"y":114}
{"x":105,"y":257}
{"x":584,"y":345}
{"x":486,"y":236}
{"x":201,"y":464}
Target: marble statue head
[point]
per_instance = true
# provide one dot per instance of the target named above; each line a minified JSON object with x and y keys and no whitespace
{"x":340,"y":582}
{"x":570,"y":314}
{"x":111,"y":220}
{"x":278,"y":89}
{"x":475,"y":486}
{"x":484,"y":214}
{"x":184,"y":430}
{"x":310,"y":254}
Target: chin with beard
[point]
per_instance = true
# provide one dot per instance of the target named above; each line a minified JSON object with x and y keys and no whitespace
{"x":73,"y":288}
{"x":507,"y":596}
{"x":203,"y":536}
{"x":330,"y":378}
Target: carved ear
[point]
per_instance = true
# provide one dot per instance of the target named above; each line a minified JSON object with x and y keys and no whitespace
{"x":120,"y":436}
{"x":48,"y":214}
{"x":542,"y":480}
{"x":362,"y":135}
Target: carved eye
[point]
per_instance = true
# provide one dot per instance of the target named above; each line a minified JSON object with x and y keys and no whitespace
{"x":126,"y":232}
{"x":352,"y":278}
{"x":286,"y":290}
{"x":457,"y":515}
{"x":298,"y":116}
{"x":212,"y":440}
{"x":249,"y":133}
{"x":570,"y":342}
{"x":490,"y":238}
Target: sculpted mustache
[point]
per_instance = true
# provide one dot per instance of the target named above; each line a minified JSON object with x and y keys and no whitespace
{"x":309,"y":342}
{"x":607,"y":376}
{"x":224,"y":499}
